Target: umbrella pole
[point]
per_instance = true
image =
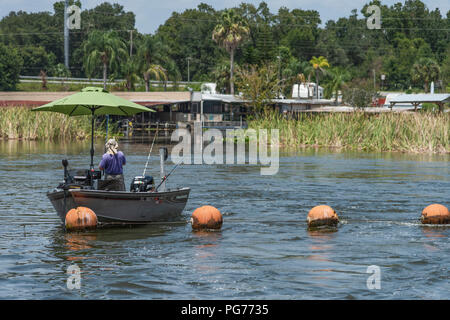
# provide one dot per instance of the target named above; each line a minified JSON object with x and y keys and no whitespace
{"x":92,"y":140}
{"x":107,"y":123}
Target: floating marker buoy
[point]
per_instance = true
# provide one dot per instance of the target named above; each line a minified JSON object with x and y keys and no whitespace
{"x":80,"y":218}
{"x":435,"y":214}
{"x":206,"y":217}
{"x":322,"y":216}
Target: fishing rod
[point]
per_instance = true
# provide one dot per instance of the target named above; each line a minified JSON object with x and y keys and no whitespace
{"x":166,"y":176}
{"x":151,"y":148}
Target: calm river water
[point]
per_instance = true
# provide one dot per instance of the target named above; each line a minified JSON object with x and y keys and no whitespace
{"x":264,"y":250}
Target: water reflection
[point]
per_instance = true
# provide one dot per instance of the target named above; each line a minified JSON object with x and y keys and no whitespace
{"x":321,"y":249}
{"x":435,"y":232}
{"x":205,"y":253}
{"x":321,"y":246}
{"x":79,"y":241}
{"x":24,"y":147}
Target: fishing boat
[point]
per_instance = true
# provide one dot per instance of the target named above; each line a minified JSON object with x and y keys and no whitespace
{"x":143,"y":203}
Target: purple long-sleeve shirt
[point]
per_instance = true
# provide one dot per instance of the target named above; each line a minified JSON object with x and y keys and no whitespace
{"x":113,"y":163}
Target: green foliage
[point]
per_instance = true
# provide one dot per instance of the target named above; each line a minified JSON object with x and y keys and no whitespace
{"x":60,"y":70}
{"x":338,"y":77}
{"x":425,"y":71}
{"x":319,"y":65}
{"x":10,"y":67}
{"x":410,"y":32}
{"x":188,"y":34}
{"x":359,"y":93}
{"x":429,"y":107}
{"x":445,"y":71}
{"x":35,"y":59}
{"x":221,"y":76}
{"x":229,"y":33}
{"x":130,"y":69}
{"x":151,"y":51}
{"x":21,"y":123}
{"x":259,"y":86}
{"x":103,"y":50}
{"x":405,"y":132}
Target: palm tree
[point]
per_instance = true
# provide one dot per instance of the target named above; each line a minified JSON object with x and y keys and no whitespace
{"x":425,"y":70}
{"x":103,"y":48}
{"x":319,"y":64}
{"x":172,"y":72}
{"x":150,"y":51}
{"x":230,"y":33}
{"x":158,"y":73}
{"x":221,"y":74}
{"x":338,"y":78}
{"x":130,"y":70}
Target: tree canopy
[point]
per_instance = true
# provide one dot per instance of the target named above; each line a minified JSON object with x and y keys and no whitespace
{"x":410,"y":32}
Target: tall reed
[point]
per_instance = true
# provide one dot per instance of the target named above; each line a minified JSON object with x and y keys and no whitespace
{"x":405,"y":131}
{"x":22,"y":123}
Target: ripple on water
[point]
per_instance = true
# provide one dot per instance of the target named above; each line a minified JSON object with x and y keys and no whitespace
{"x":264,"y":250}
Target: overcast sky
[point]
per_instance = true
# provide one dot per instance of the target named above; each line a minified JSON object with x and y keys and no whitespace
{"x":150,"y":13}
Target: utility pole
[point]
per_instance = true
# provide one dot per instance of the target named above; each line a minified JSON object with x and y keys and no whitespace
{"x":131,"y":43}
{"x":66,"y":36}
{"x":189,"y":76}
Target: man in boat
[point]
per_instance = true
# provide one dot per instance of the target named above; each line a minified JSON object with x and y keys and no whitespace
{"x":112,"y":162}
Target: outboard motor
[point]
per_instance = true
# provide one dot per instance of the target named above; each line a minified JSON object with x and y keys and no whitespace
{"x":142,"y":184}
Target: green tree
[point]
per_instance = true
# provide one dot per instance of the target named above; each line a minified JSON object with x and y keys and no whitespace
{"x":35,"y":59}
{"x":156,"y":72}
{"x":221,"y":74}
{"x":445,"y":70}
{"x":339,"y":77}
{"x":425,"y":71}
{"x":297,"y":29}
{"x":319,"y":64}
{"x":130,"y":70}
{"x":359,"y":93}
{"x":150,"y":51}
{"x":10,"y":67}
{"x":188,"y":34}
{"x":259,"y":85}
{"x":61,"y":71}
{"x":172,"y":72}
{"x":230,"y":33}
{"x":104,"y":49}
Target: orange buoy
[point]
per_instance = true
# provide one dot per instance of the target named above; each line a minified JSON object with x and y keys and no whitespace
{"x":435,"y":214}
{"x":80,"y":218}
{"x":322,"y":216}
{"x":206,"y":217}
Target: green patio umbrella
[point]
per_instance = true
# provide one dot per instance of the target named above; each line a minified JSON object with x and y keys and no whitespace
{"x":93,"y":101}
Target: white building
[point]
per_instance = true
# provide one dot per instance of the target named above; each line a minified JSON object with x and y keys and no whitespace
{"x":306,"y":91}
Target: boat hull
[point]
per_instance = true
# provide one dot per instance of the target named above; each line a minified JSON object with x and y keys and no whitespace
{"x":121,"y":206}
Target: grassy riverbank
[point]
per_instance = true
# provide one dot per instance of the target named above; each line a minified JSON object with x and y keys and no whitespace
{"x":21,"y":123}
{"x":405,"y":132}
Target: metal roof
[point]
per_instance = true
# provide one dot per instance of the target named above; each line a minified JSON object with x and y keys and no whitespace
{"x":421,"y":98}
{"x":229,"y":98}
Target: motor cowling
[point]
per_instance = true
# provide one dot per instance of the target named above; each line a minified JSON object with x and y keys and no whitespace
{"x":142,"y":184}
